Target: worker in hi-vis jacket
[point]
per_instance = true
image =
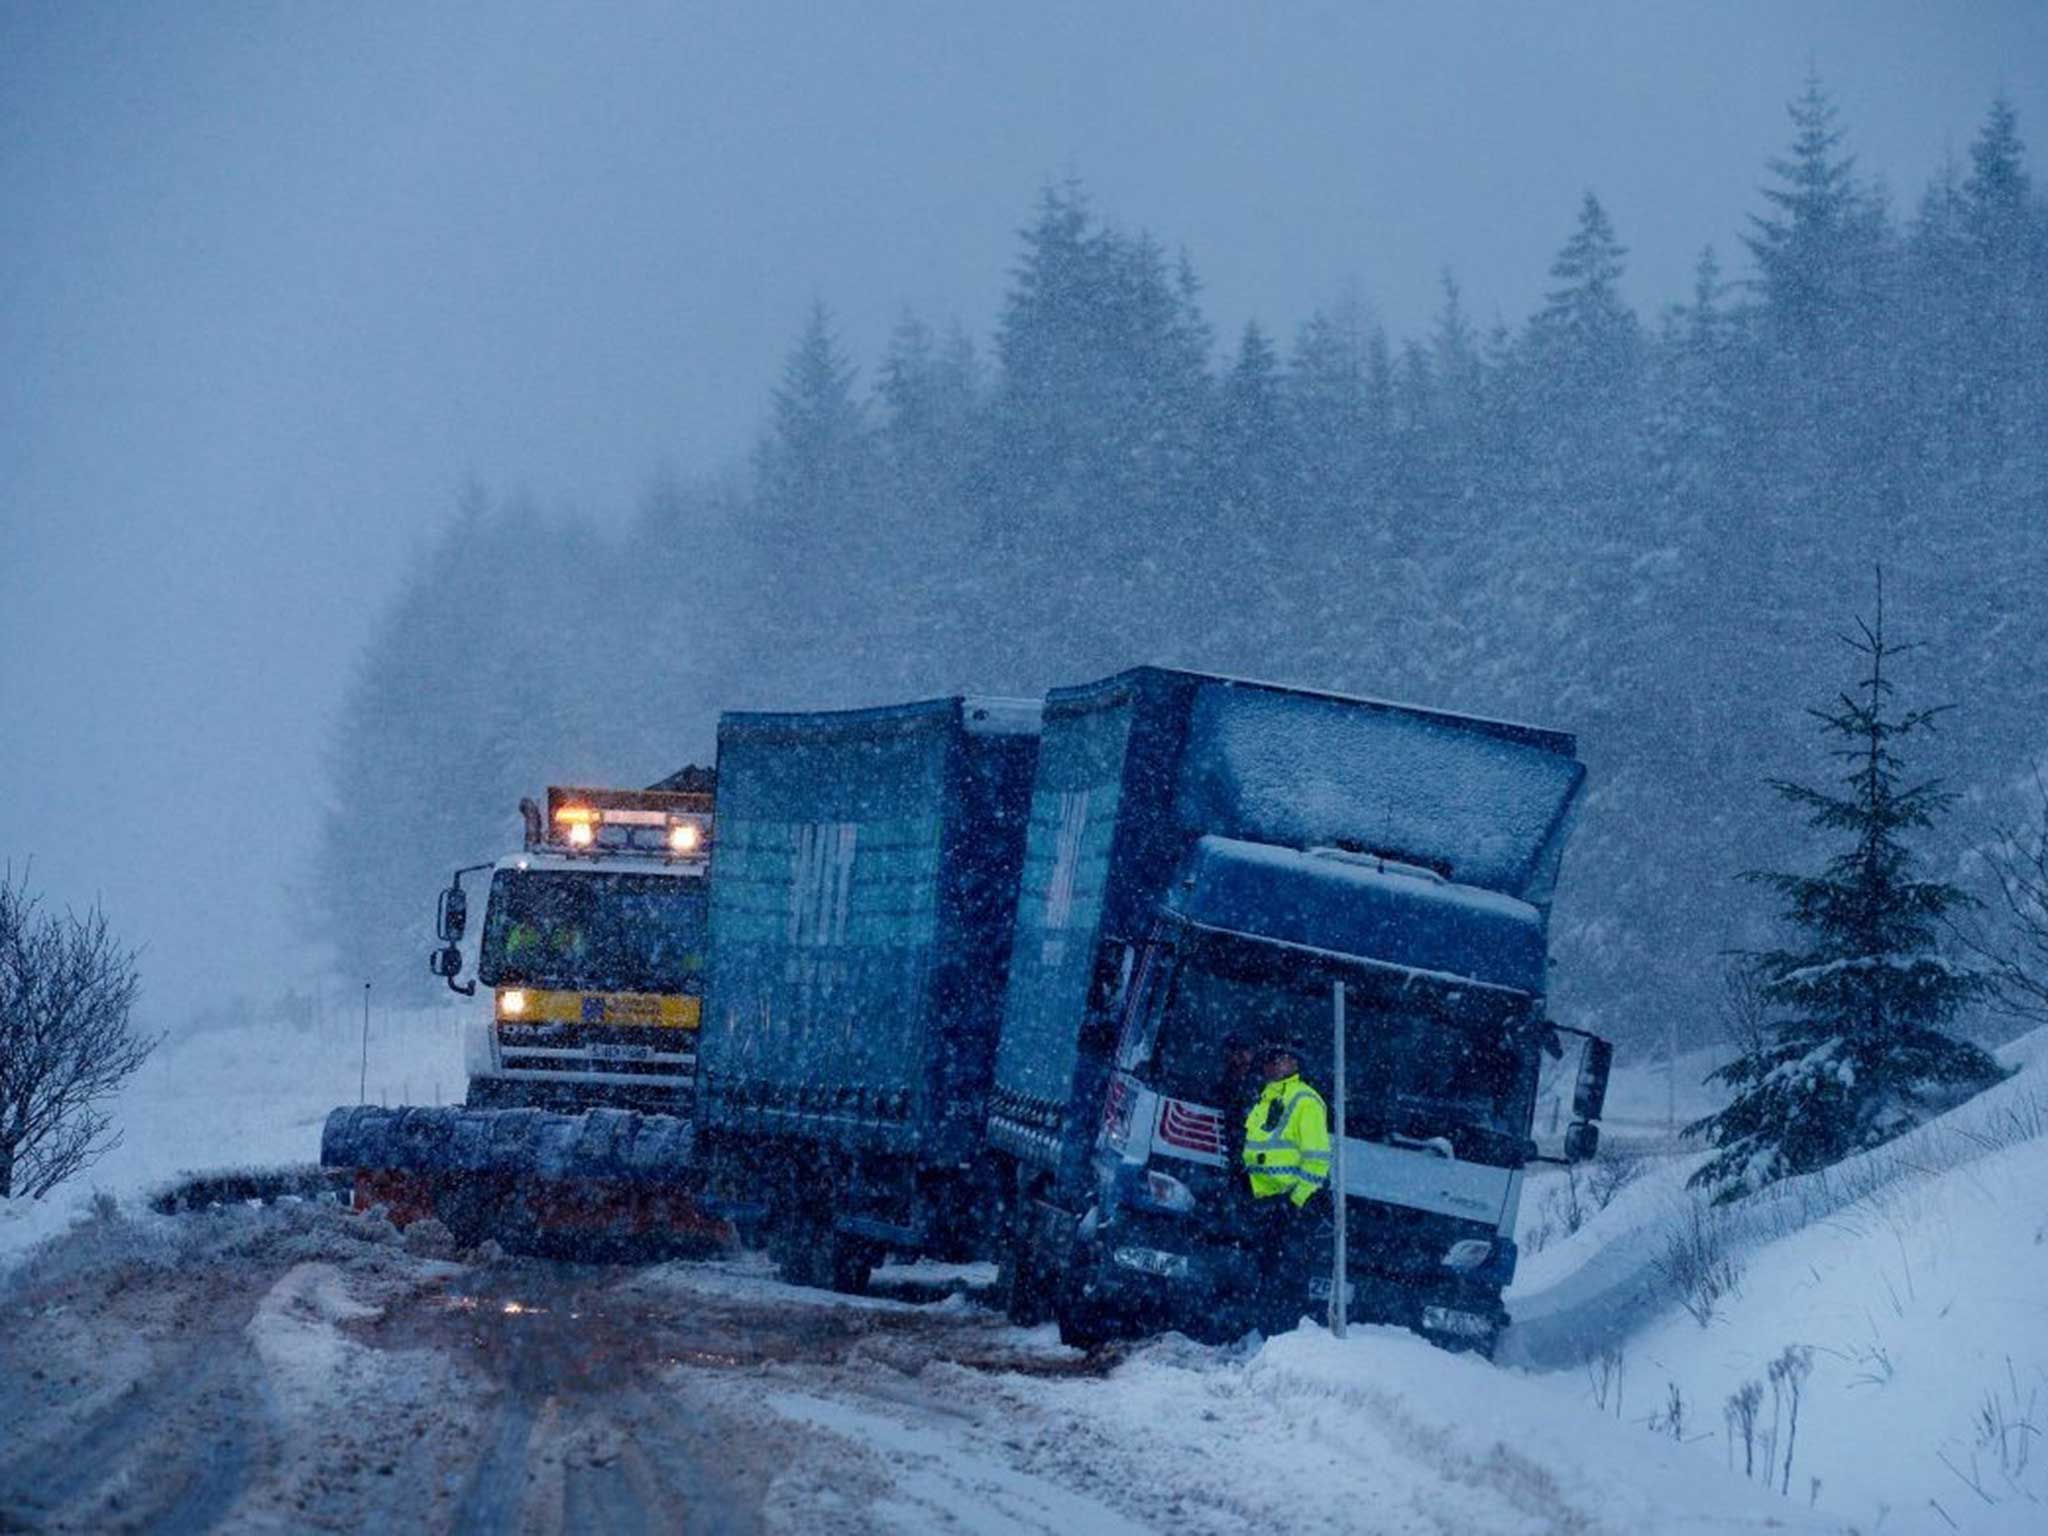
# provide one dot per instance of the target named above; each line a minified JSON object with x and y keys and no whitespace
{"x":1287,"y":1160}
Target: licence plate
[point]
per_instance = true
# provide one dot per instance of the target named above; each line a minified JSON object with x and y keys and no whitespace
{"x":622,"y":1052}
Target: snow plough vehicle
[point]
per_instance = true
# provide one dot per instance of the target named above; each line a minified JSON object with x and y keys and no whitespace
{"x":586,"y":975}
{"x":971,"y":965}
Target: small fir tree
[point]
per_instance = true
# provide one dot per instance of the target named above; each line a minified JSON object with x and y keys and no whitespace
{"x":1856,"y":1054}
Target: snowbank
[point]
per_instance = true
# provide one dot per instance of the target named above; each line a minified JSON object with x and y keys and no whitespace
{"x":1904,"y":1293}
{"x":248,"y":1095}
{"x":1381,"y":1432}
{"x":991,"y":1428}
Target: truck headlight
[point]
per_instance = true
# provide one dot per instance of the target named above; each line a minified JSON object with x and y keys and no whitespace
{"x":1167,"y":1193}
{"x":1459,"y":1325}
{"x":512,"y":1003}
{"x":1468,"y":1254}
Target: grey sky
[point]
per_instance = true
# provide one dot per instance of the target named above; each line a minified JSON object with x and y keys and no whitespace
{"x":277,"y":280}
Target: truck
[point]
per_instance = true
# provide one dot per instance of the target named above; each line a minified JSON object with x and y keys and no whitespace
{"x":586,"y":977}
{"x":592,"y":955}
{"x":1208,"y":857}
{"x":861,"y":915}
{"x":972,"y":964}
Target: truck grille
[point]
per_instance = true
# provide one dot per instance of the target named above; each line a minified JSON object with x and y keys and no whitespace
{"x":598,"y":1049}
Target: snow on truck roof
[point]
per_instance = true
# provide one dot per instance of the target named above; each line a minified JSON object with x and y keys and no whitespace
{"x":1542,"y":737}
{"x":1487,"y":803}
{"x":1358,"y":906}
{"x":979,"y":715}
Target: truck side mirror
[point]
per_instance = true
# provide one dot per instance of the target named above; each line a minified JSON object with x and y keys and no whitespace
{"x":1590,"y":1096}
{"x":446,"y":963}
{"x":1581,"y":1141}
{"x":452,"y":917}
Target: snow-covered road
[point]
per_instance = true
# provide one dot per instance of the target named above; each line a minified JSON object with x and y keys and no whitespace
{"x":298,"y":1368}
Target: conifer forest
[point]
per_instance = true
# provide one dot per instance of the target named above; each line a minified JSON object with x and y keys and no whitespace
{"x":1649,"y":527}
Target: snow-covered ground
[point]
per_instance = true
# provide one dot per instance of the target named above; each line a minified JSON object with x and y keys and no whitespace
{"x":248,"y":1094}
{"x":1909,"y":1286}
{"x":1904,"y":1295}
{"x":1380,"y":1432}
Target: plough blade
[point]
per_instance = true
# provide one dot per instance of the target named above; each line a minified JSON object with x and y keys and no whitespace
{"x":588,"y":1183}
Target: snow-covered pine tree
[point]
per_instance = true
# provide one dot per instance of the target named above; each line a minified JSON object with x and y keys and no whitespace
{"x":1855,"y":1054}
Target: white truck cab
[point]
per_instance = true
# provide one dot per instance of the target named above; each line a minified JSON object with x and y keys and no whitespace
{"x":587,"y":968}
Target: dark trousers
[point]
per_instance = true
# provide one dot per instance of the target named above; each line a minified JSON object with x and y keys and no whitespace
{"x":1281,"y":1243}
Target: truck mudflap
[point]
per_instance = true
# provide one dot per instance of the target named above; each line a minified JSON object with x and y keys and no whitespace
{"x":527,"y":1177}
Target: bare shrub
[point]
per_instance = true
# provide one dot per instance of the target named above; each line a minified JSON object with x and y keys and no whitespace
{"x":1612,"y":1171}
{"x":1696,"y":1262}
{"x":2005,"y":1428}
{"x":1604,"y":1370}
{"x":1740,"y":1415}
{"x":1583,"y":1191}
{"x":1788,"y":1375}
{"x":66,"y":986}
{"x":1670,"y":1419}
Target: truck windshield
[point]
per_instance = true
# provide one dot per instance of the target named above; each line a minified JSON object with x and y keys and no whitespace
{"x":1424,"y":1062}
{"x":594,"y":931}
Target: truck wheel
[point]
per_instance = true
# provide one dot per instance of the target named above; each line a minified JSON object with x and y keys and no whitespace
{"x":1021,"y":1288}
{"x":849,"y":1264}
{"x":1084,"y":1322}
{"x":793,"y":1245}
{"x":808,"y":1251}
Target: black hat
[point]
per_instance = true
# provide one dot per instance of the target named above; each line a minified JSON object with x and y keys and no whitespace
{"x":1275,"y":1045}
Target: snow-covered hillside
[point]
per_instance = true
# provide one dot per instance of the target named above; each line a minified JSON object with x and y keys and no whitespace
{"x":1904,"y":1294}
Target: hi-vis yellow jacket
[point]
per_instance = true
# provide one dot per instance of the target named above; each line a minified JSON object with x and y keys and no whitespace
{"x":1287,"y":1142}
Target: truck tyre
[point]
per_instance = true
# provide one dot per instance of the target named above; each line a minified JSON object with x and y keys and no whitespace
{"x":1083,"y":1320}
{"x":1021,"y":1287}
{"x":793,"y":1244}
{"x":809,"y":1250}
{"x":848,"y":1263}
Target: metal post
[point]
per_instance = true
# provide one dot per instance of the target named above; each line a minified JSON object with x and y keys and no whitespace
{"x":363,"y":1081}
{"x":1671,"y":1076}
{"x":1338,"y":1282}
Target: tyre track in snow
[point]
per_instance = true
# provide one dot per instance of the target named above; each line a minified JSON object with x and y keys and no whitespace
{"x":301,"y":1371}
{"x":577,"y":1442}
{"x":134,"y":1389}
{"x":105,"y":1453}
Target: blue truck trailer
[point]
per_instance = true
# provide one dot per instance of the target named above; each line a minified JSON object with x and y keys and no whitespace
{"x":861,"y":915}
{"x":972,"y":964}
{"x":1209,"y":857}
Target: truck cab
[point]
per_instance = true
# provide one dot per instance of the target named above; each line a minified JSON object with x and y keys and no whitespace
{"x":588,"y":967}
{"x":1446,"y":1042}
